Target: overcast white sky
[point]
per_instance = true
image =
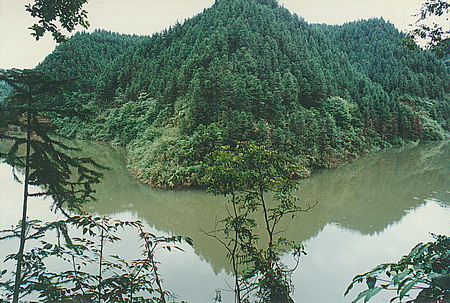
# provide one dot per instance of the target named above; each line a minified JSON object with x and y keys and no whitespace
{"x":18,"y":49}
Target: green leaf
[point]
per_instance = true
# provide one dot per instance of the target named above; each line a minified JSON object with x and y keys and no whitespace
{"x":401,"y":276}
{"x":47,"y":246}
{"x":372,"y":293}
{"x":350,"y":287}
{"x":371,"y":281}
{"x":362,"y":295}
{"x":407,"y":288}
{"x":403,"y":283}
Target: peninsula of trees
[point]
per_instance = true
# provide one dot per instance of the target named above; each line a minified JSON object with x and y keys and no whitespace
{"x":249,"y":70}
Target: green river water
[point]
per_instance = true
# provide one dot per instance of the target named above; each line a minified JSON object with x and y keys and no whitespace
{"x":370,"y":211}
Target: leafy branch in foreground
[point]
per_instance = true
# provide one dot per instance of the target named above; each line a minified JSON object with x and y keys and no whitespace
{"x":56,"y":15}
{"x":68,"y":180}
{"x":45,"y":163}
{"x":432,"y":26}
{"x":425,"y":268}
{"x":259,"y":183}
{"x":85,"y":273}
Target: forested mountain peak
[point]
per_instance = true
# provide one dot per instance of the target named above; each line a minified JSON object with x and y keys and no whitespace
{"x":375,"y":46}
{"x":270,"y":3}
{"x":249,"y":70}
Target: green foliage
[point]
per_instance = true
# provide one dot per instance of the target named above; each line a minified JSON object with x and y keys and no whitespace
{"x":164,"y":161}
{"x":56,"y":15}
{"x":374,"y":48}
{"x":426,"y":267}
{"x":435,"y":32}
{"x":86,"y":274}
{"x":257,"y":180}
{"x":51,"y":166}
{"x":45,"y":163}
{"x":248,"y":167}
{"x":249,"y":71}
{"x":46,"y":160}
{"x":431,"y":130}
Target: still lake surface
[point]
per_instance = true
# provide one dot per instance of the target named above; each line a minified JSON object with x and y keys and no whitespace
{"x":370,"y":211}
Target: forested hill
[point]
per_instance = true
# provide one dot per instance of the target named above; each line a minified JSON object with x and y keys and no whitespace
{"x":250,"y":70}
{"x":375,"y":47}
{"x":87,"y":55}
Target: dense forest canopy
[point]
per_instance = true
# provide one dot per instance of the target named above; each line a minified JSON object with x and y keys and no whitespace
{"x":250,"y":71}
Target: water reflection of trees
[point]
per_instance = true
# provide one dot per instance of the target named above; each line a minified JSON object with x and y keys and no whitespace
{"x":47,"y":167}
{"x":366,"y":196}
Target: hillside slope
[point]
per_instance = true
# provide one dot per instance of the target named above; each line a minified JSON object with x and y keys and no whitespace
{"x":250,"y":70}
